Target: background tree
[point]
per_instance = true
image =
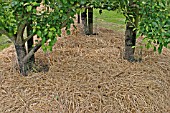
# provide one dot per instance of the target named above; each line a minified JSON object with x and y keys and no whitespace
{"x":155,"y":24}
{"x":149,"y":18}
{"x":90,"y":20}
{"x":84,"y":20}
{"x":87,"y":20}
{"x":131,"y":31}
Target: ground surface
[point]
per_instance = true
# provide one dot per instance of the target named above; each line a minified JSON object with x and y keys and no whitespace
{"x":4,"y":42}
{"x":86,"y":74}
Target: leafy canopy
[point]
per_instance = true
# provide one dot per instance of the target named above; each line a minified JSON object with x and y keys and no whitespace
{"x":155,"y":23}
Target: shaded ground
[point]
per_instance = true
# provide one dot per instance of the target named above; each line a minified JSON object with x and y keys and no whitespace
{"x":4,"y":42}
{"x":87,"y":75}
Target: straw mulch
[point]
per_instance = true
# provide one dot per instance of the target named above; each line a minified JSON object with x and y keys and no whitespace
{"x":87,"y":74}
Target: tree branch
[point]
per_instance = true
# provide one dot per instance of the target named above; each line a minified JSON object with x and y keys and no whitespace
{"x":20,"y":32}
{"x":29,"y":37}
{"x":29,"y":55}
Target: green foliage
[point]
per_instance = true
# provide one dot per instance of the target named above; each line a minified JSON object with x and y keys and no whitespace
{"x":155,"y":24}
{"x":149,"y":18}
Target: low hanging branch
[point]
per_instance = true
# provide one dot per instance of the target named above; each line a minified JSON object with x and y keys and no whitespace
{"x":20,"y":33}
{"x":29,"y":37}
{"x":33,"y":50}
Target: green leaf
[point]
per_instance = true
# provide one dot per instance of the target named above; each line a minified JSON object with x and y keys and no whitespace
{"x":68,"y":32}
{"x":39,"y":33}
{"x":148,"y":45}
{"x":52,"y":29}
{"x":34,"y":11}
{"x":133,"y":47}
{"x":29,"y":8}
{"x":35,"y":4}
{"x":44,"y":48}
{"x":50,"y":34}
{"x":43,"y":40}
{"x":131,"y":16}
{"x":59,"y":32}
{"x":154,"y":48}
{"x":160,"y":48}
{"x":155,"y":24}
{"x":83,"y":2}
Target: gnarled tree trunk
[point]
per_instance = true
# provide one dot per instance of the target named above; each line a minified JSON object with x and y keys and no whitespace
{"x":23,"y":58}
{"x":21,"y":53}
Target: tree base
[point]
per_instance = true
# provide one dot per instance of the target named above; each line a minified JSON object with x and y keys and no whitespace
{"x":132,"y":59}
{"x":92,"y":34}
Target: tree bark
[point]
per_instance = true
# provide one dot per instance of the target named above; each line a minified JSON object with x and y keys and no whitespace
{"x":84,"y":21}
{"x":23,"y":58}
{"x":32,"y":52}
{"x":130,"y":41}
{"x":130,"y":33}
{"x":30,"y":44}
{"x":78,"y":18}
{"x":21,"y":53}
{"x":90,"y":21}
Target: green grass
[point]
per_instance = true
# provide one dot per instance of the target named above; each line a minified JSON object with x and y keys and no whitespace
{"x":4,"y":42}
{"x":110,"y":20}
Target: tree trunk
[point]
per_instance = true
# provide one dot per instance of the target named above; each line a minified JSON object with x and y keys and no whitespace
{"x":130,"y":33}
{"x":21,"y":53}
{"x":78,"y":18}
{"x":30,"y":46}
{"x":90,"y":21}
{"x":84,"y":21}
{"x":130,"y":41}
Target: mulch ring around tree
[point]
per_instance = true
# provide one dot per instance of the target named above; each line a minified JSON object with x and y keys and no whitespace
{"x":87,"y":74}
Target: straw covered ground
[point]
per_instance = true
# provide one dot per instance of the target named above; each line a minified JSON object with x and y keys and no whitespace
{"x":87,"y":74}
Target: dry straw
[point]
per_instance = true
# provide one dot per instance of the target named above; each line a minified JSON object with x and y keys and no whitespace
{"x":87,"y":75}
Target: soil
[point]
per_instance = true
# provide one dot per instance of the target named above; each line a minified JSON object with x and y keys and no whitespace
{"x":87,"y":74}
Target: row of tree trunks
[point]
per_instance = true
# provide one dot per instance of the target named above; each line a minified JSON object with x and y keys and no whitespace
{"x":130,"y":33}
{"x":130,"y":40}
